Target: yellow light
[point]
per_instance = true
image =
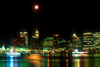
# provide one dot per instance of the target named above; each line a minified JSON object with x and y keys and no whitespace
{"x":37,"y":35}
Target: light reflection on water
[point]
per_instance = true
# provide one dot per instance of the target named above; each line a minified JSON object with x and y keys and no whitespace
{"x":36,"y":60}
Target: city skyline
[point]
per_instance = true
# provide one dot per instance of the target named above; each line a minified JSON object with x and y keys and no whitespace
{"x":64,"y":18}
{"x":46,"y":33}
{"x":43,"y":37}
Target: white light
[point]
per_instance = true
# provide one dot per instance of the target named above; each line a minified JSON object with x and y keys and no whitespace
{"x":20,"y":32}
{"x":74,"y":34}
{"x":25,"y":32}
{"x":11,"y":50}
{"x":76,"y":50}
{"x":11,"y":56}
{"x":36,"y":6}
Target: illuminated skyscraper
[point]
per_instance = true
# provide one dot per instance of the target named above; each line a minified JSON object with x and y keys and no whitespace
{"x":35,"y":39}
{"x":56,"y":40}
{"x":80,"y":42}
{"x":37,"y":33}
{"x":24,"y":38}
{"x":88,"y":40}
{"x":97,"y":39}
{"x":69,"y":45}
{"x":34,"y":42}
{"x":15,"y":41}
{"x":48,"y":41}
{"x":75,"y":40}
{"x":62,"y":42}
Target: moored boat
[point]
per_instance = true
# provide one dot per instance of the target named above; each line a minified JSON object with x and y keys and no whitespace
{"x":12,"y":53}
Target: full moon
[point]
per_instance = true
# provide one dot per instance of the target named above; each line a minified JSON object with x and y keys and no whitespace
{"x":36,"y":7}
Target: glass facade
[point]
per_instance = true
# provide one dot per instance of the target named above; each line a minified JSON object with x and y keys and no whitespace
{"x":88,"y":40}
{"x":48,"y":41}
{"x":24,"y":35}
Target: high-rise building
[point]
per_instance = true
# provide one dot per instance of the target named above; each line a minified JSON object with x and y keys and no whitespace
{"x":69,"y":45}
{"x":56,"y":40}
{"x":15,"y":41}
{"x":75,"y":40}
{"x":48,"y":41}
{"x":35,"y":40}
{"x":88,"y":40}
{"x":62,"y":42}
{"x":80,"y":42}
{"x":97,"y":40}
{"x":24,"y":38}
{"x":37,"y":33}
{"x":22,"y":41}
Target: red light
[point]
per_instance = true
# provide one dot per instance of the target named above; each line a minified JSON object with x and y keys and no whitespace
{"x":21,"y":36}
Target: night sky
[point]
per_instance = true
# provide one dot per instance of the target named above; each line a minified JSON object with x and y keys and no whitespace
{"x":62,"y":17}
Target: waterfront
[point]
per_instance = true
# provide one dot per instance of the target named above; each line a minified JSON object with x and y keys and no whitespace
{"x":52,"y":60}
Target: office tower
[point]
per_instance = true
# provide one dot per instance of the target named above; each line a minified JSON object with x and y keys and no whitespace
{"x":75,"y":40}
{"x":48,"y":41}
{"x":35,"y":40}
{"x":37,"y":33}
{"x":69,"y":45}
{"x":62,"y":42}
{"x":15,"y":41}
{"x":56,"y":40}
{"x":88,"y":40}
{"x":24,"y":39}
{"x":97,"y":40}
{"x":80,"y":42}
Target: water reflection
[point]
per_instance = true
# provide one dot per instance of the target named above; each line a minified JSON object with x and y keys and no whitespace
{"x":66,"y":62}
{"x":97,"y":62}
{"x":76,"y":62}
{"x":48,"y":64}
{"x":36,"y":60}
{"x":36,"y":63}
{"x":12,"y":62}
{"x":2,"y":63}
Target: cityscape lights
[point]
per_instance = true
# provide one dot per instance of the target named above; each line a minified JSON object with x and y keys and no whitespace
{"x":88,"y":41}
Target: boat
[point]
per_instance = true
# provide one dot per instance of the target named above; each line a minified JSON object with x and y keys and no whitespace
{"x":77,"y":52}
{"x":12,"y":53}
